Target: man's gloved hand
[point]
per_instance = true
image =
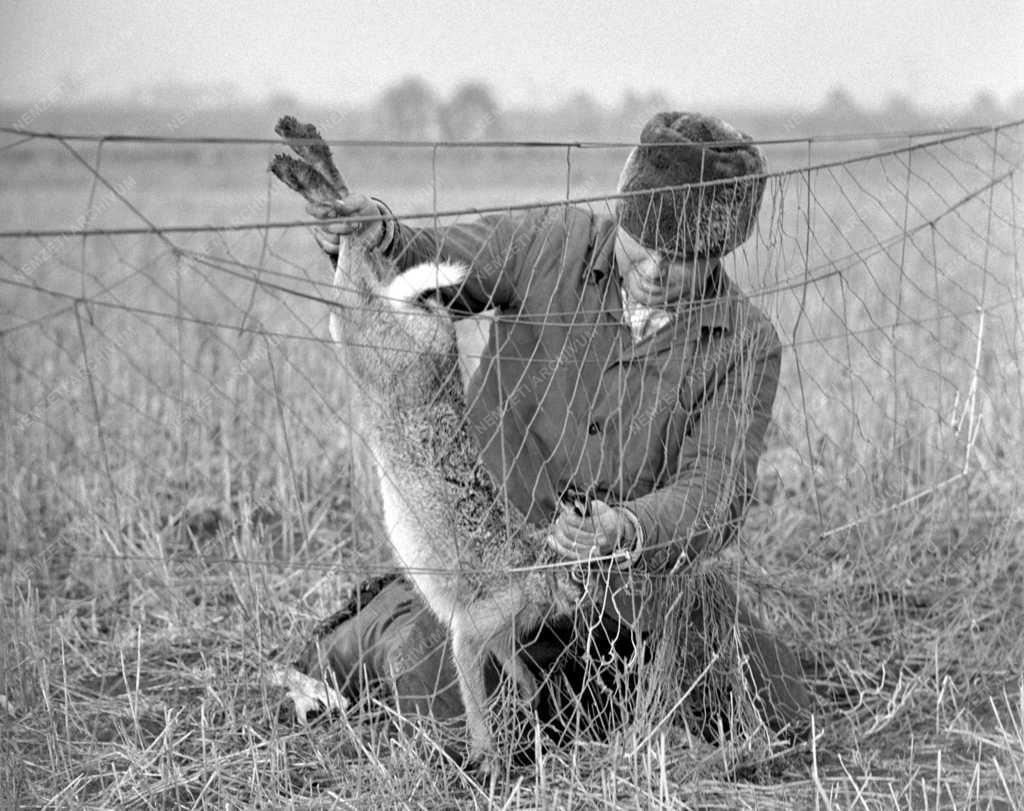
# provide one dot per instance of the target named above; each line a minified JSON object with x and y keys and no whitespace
{"x":329,"y":235}
{"x":601,"y":531}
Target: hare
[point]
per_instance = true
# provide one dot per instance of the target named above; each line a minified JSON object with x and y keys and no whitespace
{"x":481,"y":569}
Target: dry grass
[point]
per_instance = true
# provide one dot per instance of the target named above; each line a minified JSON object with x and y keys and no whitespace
{"x":193,"y":504}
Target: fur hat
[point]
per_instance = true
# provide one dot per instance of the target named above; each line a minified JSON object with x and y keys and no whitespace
{"x":677,"y":149}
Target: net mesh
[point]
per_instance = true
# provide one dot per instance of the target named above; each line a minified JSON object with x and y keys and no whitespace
{"x":178,"y":417}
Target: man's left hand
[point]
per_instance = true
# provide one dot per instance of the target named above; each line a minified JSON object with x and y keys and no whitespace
{"x":584,"y":537}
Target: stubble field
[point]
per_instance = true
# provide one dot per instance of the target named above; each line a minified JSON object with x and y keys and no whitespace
{"x":182,"y":498}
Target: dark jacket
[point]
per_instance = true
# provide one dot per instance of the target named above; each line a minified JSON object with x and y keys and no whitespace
{"x":671,"y":427}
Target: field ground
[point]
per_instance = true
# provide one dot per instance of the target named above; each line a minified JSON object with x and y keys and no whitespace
{"x":181,"y":496}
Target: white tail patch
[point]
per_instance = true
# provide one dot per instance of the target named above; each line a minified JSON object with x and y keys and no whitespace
{"x":424,"y":278}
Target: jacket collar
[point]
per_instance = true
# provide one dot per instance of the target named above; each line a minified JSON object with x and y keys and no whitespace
{"x":701,"y":318}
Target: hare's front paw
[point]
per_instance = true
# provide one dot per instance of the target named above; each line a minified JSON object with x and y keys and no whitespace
{"x":486,"y":767}
{"x":308,"y":696}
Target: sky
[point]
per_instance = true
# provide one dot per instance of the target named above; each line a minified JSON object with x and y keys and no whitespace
{"x":769,"y":53}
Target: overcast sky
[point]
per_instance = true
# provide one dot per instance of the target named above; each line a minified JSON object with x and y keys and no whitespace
{"x":771,"y":52}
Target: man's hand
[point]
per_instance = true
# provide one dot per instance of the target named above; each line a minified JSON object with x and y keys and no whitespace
{"x":583,"y":537}
{"x":329,"y":235}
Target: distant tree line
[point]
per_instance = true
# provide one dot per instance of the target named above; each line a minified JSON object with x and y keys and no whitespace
{"x":412,"y":109}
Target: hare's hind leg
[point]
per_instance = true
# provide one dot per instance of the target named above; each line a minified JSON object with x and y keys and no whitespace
{"x":468,"y":653}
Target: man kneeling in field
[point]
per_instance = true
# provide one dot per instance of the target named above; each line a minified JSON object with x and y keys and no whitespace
{"x":623,"y":400}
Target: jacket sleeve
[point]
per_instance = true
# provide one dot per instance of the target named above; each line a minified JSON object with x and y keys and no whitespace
{"x":492,"y":246}
{"x":701,"y":506}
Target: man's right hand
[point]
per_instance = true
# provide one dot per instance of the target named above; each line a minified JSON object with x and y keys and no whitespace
{"x":328,"y":235}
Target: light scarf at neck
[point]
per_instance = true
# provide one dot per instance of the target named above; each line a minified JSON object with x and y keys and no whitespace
{"x":642,"y":319}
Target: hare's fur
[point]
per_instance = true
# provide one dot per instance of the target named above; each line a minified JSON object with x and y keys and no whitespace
{"x":485,"y":574}
{"x":479,"y":567}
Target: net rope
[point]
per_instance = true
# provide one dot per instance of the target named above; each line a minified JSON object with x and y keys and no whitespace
{"x":174,"y":399}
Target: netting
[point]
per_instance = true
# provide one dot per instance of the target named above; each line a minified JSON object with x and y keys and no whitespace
{"x":179,"y":419}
